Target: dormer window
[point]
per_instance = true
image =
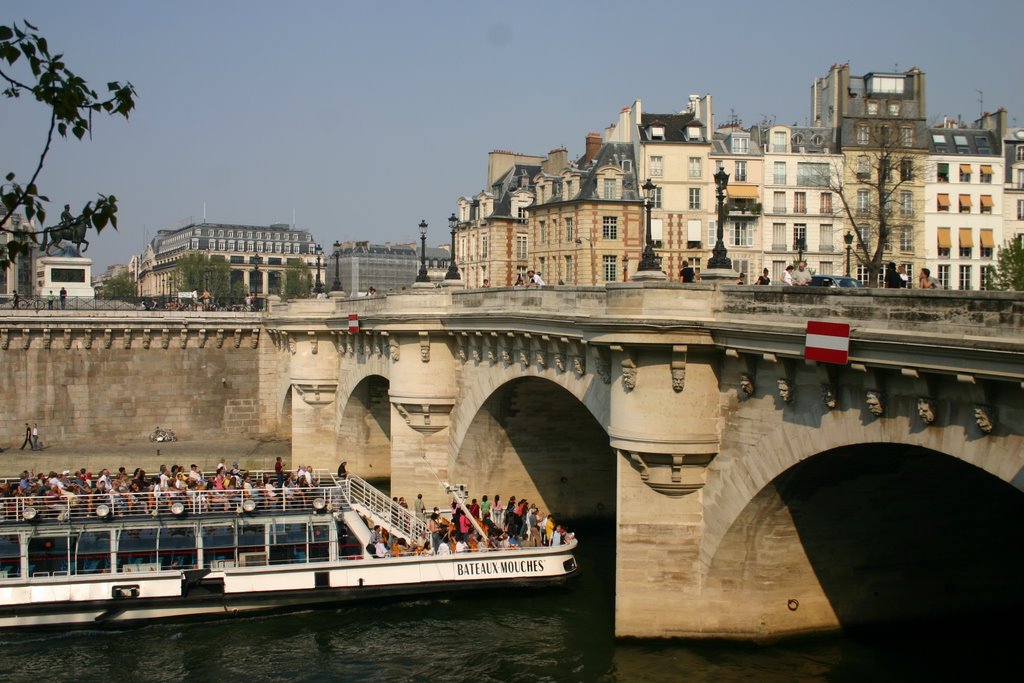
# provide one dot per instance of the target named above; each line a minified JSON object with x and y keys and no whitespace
{"x":693,"y":133}
{"x":739,"y":144}
{"x":656,"y":131}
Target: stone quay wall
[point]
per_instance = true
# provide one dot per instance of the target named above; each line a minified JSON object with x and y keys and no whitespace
{"x":114,"y":377}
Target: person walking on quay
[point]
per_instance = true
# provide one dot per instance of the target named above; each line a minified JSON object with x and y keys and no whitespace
{"x":36,"y":446}
{"x":28,"y":437}
{"x":63,"y":297}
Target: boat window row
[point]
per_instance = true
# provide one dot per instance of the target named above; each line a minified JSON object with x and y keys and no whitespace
{"x":157,"y":548}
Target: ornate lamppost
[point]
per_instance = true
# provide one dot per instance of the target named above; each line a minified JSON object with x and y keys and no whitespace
{"x":649,"y":261}
{"x":801,"y":244}
{"x":720,"y":255}
{"x":318,"y":287}
{"x":423,"y":277}
{"x":254,"y":281}
{"x":848,"y":238}
{"x":336,"y":285}
{"x":453,"y":268}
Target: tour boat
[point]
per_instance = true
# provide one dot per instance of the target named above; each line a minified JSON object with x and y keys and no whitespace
{"x":111,"y":559}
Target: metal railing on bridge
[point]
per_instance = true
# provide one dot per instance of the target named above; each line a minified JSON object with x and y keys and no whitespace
{"x":135,"y":303}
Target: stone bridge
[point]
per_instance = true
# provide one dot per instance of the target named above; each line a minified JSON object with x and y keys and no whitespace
{"x":754,"y":494}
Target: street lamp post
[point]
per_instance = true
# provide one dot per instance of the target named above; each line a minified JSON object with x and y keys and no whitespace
{"x":423,"y":277}
{"x":254,"y":281}
{"x":801,"y":244}
{"x":318,"y":287}
{"x":649,"y":261}
{"x":336,"y":285}
{"x":453,"y":268}
{"x":720,"y":255}
{"x":848,"y":238}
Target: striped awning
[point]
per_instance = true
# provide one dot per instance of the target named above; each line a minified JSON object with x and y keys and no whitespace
{"x":943,"y":200}
{"x":965,"y":169}
{"x":944,"y":242}
{"x":986,"y":169}
{"x":986,"y":201}
{"x":966,"y":238}
{"x":965,"y":200}
{"x":986,"y":238}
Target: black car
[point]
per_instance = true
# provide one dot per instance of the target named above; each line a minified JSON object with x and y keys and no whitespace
{"x":834,"y":281}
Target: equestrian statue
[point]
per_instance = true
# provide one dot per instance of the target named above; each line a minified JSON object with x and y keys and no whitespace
{"x":70,"y":229}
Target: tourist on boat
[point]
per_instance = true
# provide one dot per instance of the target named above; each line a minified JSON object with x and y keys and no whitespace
{"x":497,"y":511}
{"x":434,"y":526}
{"x":549,"y":529}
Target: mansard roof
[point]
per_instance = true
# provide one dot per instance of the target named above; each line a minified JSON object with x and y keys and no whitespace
{"x":675,"y":126}
{"x":963,"y":141}
{"x":510,"y":183}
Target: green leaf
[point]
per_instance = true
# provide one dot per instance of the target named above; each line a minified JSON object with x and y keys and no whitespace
{"x":6,"y":33}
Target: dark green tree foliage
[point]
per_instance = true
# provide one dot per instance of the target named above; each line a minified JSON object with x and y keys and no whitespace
{"x":28,"y":67}
{"x":197,"y":272}
{"x":120,"y":286}
{"x":297,"y":280}
{"x":1008,"y":273}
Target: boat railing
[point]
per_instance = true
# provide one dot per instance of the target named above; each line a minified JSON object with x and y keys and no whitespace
{"x":382,"y":508}
{"x":82,"y":506}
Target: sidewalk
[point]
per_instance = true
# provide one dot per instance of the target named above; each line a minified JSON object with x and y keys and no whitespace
{"x":251,"y":454}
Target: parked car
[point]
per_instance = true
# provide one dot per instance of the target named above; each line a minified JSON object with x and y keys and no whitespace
{"x":834,"y":281}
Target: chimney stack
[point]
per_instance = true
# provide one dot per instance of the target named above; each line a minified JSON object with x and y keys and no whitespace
{"x":593,"y":147}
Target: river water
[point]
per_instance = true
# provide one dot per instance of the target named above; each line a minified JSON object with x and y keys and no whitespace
{"x":561,"y":634}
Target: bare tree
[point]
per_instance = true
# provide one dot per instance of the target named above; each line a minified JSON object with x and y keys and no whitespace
{"x":876,"y":189}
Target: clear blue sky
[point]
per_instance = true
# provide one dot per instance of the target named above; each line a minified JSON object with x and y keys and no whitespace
{"x":364,"y":118}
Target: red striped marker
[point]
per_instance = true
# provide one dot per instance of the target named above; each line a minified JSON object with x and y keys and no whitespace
{"x":353,"y":323}
{"x":827,"y":342}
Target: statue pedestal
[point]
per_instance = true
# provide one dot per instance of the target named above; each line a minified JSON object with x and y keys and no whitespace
{"x":648,"y":276}
{"x":73,"y":273}
{"x":726,"y":276}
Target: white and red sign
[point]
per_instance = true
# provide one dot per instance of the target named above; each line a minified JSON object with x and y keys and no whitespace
{"x":353,"y":323}
{"x":827,"y":342}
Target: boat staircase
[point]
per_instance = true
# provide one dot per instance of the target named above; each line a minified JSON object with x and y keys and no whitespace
{"x":374,"y":504}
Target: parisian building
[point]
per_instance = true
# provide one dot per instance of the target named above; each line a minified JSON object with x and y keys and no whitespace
{"x":258,"y":255}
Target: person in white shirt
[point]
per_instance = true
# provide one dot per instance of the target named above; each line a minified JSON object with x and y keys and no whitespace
{"x":787,"y":277}
{"x":538,"y":280}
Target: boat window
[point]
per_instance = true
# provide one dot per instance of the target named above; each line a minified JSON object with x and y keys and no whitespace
{"x":93,"y":555}
{"x":320,"y":543}
{"x":252,"y":538}
{"x":136,"y":547}
{"x":10,"y":556}
{"x":48,"y":555}
{"x":288,"y":543}
{"x":218,"y":545}
{"x":178,"y":548}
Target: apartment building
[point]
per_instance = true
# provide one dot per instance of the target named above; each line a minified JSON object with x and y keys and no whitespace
{"x":801,"y":216}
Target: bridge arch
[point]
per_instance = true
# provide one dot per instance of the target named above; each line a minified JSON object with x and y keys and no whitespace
{"x":869,"y":533}
{"x":532,"y":437}
{"x":735,"y":478}
{"x":363,"y":427}
{"x":479,"y":383}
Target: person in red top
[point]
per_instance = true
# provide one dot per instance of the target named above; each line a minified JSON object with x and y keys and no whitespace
{"x":279,"y":471}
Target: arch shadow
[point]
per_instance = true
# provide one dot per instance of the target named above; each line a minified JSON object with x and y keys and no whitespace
{"x":532,"y":438}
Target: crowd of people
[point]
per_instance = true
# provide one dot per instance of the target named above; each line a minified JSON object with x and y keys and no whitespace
{"x":490,"y":524}
{"x":139,"y":492}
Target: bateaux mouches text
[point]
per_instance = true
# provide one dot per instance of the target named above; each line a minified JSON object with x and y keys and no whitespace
{"x":499,"y":567}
